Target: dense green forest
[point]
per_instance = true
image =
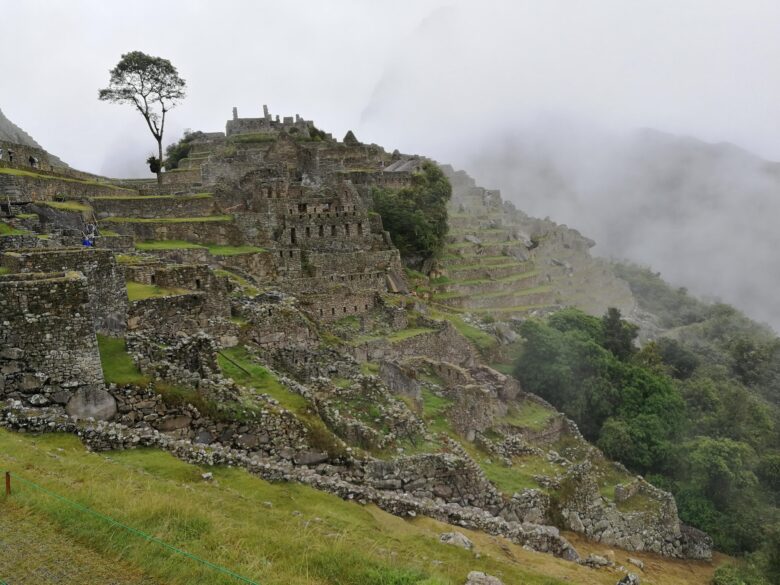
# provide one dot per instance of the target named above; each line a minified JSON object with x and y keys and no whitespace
{"x":697,"y":411}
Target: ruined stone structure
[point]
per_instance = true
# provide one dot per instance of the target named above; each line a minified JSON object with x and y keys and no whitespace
{"x":268,"y":125}
{"x":263,"y":243}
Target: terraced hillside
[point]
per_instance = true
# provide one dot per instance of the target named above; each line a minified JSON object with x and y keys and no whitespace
{"x":502,"y":263}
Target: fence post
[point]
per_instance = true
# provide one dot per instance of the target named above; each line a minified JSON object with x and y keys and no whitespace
{"x":7,"y":483}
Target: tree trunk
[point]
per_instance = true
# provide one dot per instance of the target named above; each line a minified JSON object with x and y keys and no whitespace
{"x":159,"y":161}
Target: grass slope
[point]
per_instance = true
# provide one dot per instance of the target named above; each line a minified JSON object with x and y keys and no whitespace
{"x":273,"y":534}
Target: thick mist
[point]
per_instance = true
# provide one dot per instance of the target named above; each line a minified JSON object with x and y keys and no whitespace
{"x":548,"y":104}
{"x":543,"y":99}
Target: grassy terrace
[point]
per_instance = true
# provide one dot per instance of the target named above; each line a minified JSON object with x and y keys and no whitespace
{"x":118,"y":366}
{"x":24,"y":173}
{"x":492,"y":295}
{"x":528,"y":415}
{"x":201,"y":219}
{"x":246,"y":287}
{"x":150,"y":197}
{"x":239,"y":365}
{"x":137,"y":291}
{"x":277,"y":533}
{"x":76,"y":206}
{"x":505,"y":280}
{"x":8,"y":230}
{"x":396,"y":337}
{"x":214,"y":249}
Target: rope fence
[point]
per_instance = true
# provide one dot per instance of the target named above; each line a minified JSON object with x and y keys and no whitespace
{"x":103,"y":517}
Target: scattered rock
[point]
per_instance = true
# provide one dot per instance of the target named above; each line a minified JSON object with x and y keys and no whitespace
{"x":480,"y":578}
{"x":636,"y":562}
{"x":629,"y":579}
{"x":208,"y":476}
{"x":457,"y":539}
{"x":92,"y":402}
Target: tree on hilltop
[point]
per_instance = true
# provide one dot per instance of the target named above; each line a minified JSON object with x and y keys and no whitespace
{"x":153,"y":86}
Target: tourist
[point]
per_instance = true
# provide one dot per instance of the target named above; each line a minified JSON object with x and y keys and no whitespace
{"x":10,"y":156}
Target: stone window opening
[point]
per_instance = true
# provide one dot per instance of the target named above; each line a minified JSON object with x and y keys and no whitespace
{"x":356,"y":308}
{"x":346,"y":229}
{"x":333,"y":230}
{"x":366,"y":306}
{"x":308,"y":232}
{"x":293,"y":239}
{"x":198,"y":284}
{"x":153,"y":279}
{"x":360,"y":228}
{"x":281,"y":253}
{"x":345,"y":309}
{"x":291,"y":253}
{"x":322,"y":231}
{"x":333,"y":310}
{"x":301,"y":208}
{"x":320,"y":312}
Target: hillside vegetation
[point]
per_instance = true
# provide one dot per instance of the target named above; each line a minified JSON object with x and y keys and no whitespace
{"x":695,"y":411}
{"x":270,"y":533}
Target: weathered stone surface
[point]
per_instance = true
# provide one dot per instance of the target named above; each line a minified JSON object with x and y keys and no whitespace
{"x":456,"y":539}
{"x":92,"y":402}
{"x":479,"y":578}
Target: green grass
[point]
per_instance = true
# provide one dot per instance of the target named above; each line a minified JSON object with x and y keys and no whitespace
{"x":22,"y":173}
{"x":166,"y":245}
{"x":118,"y":366}
{"x":145,"y":197}
{"x":214,"y":249}
{"x":4,"y":270}
{"x":528,"y":415}
{"x":8,"y":230}
{"x":128,"y":259}
{"x":274,"y":534}
{"x":75,"y":206}
{"x":253,"y":138}
{"x":246,"y":287}
{"x":481,"y":339}
{"x":237,"y":363}
{"x":137,"y":291}
{"x":407,"y":333}
{"x":435,"y":412}
{"x":218,"y":250}
{"x":200,"y":219}
{"x":27,"y":215}
{"x":520,"y":475}
{"x":369,"y":368}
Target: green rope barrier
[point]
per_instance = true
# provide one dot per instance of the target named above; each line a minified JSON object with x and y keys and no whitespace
{"x":135,"y":531}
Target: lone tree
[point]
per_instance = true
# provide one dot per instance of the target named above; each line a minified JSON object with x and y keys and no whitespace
{"x":153,"y":86}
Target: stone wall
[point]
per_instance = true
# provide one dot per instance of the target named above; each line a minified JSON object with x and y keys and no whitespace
{"x":199,"y":232}
{"x":48,"y":347}
{"x":150,"y":207}
{"x":187,"y":313}
{"x":47,"y":187}
{"x":106,"y":283}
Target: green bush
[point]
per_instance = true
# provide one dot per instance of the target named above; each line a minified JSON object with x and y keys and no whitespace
{"x":179,"y":150}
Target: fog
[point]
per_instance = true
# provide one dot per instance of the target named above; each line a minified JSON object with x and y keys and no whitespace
{"x":544,"y":99}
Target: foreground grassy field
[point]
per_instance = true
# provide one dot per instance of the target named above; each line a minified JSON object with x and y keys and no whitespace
{"x":270,"y":533}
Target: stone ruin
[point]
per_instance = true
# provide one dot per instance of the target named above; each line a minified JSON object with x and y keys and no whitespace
{"x":264,"y":239}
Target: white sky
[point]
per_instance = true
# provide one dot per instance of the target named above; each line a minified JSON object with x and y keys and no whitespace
{"x":421,"y":75}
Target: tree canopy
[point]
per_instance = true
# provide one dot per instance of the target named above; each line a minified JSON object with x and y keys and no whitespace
{"x":416,"y":216}
{"x":150,"y":84}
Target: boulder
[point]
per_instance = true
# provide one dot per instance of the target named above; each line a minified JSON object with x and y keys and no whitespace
{"x":456,"y":539}
{"x":480,"y":578}
{"x":91,"y":402}
{"x":629,"y":579}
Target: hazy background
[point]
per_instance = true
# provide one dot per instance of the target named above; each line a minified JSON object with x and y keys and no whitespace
{"x":544,"y":99}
